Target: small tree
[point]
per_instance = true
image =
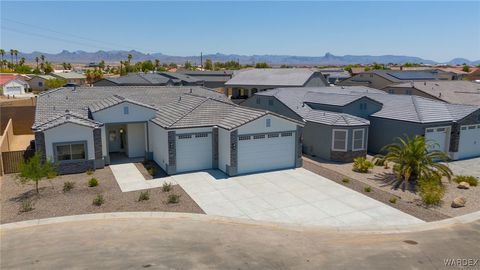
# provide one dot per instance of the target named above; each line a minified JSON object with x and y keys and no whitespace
{"x":54,"y":83}
{"x":35,"y":170}
{"x":466,"y":68}
{"x":208,"y":64}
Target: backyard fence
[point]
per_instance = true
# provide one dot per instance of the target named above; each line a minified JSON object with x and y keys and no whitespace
{"x":11,"y":160}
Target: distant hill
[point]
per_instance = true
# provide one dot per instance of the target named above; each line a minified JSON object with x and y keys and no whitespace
{"x":327,"y":59}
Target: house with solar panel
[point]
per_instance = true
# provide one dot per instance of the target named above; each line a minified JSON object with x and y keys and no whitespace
{"x":342,"y":123}
{"x":380,"y":79}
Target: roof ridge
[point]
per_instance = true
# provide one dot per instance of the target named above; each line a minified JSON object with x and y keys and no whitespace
{"x":415,"y":104}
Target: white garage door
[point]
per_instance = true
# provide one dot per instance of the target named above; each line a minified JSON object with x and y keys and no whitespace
{"x":469,"y":145}
{"x":266,"y":152}
{"x":14,"y":90}
{"x":437,"y":138}
{"x":194,"y":152}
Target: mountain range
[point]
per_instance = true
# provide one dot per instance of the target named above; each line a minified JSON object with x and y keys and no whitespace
{"x":327,"y":59}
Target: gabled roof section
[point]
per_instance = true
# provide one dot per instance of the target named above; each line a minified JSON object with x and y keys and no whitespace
{"x":68,"y":117}
{"x":334,"y":99}
{"x":272,"y":77}
{"x":114,"y":100}
{"x":335,"y":119}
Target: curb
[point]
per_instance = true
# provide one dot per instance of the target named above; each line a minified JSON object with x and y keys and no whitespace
{"x":468,"y":218}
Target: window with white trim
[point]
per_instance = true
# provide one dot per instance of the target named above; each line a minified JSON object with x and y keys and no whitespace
{"x":268,"y":122}
{"x":259,"y":136}
{"x":358,"y":139}
{"x":70,"y":151}
{"x":184,"y":136}
{"x":339,"y":140}
{"x":287,"y":134}
{"x":244,"y":137}
{"x":125,"y":110}
{"x":201,"y":135}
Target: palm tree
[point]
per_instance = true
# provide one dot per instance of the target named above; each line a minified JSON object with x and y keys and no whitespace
{"x":15,"y":52}
{"x":64,"y":65}
{"x":22,"y":61}
{"x":36,"y":60}
{"x":2,"y":53}
{"x":12,"y":52}
{"x":129,"y":58}
{"x":43,"y":58}
{"x":157,"y":64}
{"x":415,"y":160}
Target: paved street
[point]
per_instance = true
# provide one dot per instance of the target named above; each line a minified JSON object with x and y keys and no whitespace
{"x":189,"y":243}
{"x":295,"y":196}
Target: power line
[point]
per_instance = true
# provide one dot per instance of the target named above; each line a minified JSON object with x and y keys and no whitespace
{"x":117,"y":46}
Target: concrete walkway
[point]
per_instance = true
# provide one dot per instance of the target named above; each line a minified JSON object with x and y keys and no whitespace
{"x":129,"y":178}
{"x":466,"y":167}
{"x":155,"y":240}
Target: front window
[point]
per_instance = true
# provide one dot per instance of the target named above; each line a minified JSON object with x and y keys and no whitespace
{"x":358,"y":139}
{"x":70,"y":151}
{"x":339,"y":142}
{"x":268,"y":122}
{"x":125,"y":110}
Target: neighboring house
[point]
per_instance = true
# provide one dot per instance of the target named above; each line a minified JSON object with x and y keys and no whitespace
{"x":248,"y":82}
{"x":14,"y":87}
{"x":380,"y":79}
{"x":211,"y":79}
{"x":334,"y":76}
{"x":456,"y":92}
{"x":474,"y":75}
{"x":181,"y":128}
{"x":149,"y":79}
{"x":72,"y":77}
{"x":38,"y":82}
{"x":345,"y":122}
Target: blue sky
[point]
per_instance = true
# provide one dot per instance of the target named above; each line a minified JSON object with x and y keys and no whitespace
{"x":431,"y":30}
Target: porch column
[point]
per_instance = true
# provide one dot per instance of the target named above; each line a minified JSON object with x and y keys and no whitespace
{"x":233,"y":168}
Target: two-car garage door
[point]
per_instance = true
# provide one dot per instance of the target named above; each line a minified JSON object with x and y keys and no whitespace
{"x":264,"y":152}
{"x":469,"y":145}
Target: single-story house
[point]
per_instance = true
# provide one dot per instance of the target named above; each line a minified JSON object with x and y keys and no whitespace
{"x":211,"y":79}
{"x":380,"y":79}
{"x":72,"y":77}
{"x":38,"y":82}
{"x":182,"y":129}
{"x":335,"y":75}
{"x":12,"y":85}
{"x":345,"y":122}
{"x":149,"y":79}
{"x":456,"y":92}
{"x":248,"y":82}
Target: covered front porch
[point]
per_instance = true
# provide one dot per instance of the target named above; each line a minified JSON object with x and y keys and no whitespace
{"x":126,"y":142}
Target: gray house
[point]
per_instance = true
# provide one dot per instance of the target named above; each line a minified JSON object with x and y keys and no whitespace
{"x":150,"y":79}
{"x":211,"y":79}
{"x":346,"y":122}
{"x":248,"y":82}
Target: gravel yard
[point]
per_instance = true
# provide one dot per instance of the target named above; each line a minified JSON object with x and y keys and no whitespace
{"x":378,"y":178}
{"x":53,"y":202}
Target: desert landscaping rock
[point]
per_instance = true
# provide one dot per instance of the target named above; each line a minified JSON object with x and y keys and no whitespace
{"x":463,"y":185}
{"x":459,"y":202}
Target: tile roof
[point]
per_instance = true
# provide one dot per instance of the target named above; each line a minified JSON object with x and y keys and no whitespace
{"x":272,"y":77}
{"x":140,"y":79}
{"x":331,"y":98}
{"x":457,"y":92}
{"x":4,"y":78}
{"x":69,"y":75}
{"x":177,"y":107}
{"x":335,"y":119}
{"x":407,"y":75}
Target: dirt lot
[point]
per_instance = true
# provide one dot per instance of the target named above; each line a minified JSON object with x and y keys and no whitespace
{"x":378,"y":178}
{"x":53,"y":202}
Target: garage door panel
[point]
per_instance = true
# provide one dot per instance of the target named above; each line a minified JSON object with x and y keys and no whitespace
{"x":469,"y":144}
{"x":266,"y":154}
{"x":194,"y":153}
{"x":437,"y":138}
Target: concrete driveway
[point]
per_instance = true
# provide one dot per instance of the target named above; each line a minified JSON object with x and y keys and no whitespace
{"x":466,"y":167}
{"x":293,"y":196}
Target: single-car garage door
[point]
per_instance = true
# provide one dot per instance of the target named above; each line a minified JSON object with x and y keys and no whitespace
{"x":266,"y":152}
{"x":194,"y":151}
{"x":437,"y":138}
{"x":469,"y":144}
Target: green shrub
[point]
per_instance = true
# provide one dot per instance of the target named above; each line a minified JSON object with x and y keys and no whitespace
{"x":367,"y":189}
{"x":93,"y":182}
{"x":152,"y":171}
{"x":67,"y":186}
{"x":362,"y":165}
{"x":26,"y":206}
{"x":144,"y":196}
{"x":51,"y":175}
{"x":89,"y":172}
{"x":166,"y":187}
{"x":99,"y":200}
{"x":346,"y":180}
{"x":431,"y":191}
{"x":393,"y":200}
{"x":173,"y":198}
{"x":472,"y":180}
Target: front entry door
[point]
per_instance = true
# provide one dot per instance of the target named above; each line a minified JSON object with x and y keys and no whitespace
{"x":116,"y":139}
